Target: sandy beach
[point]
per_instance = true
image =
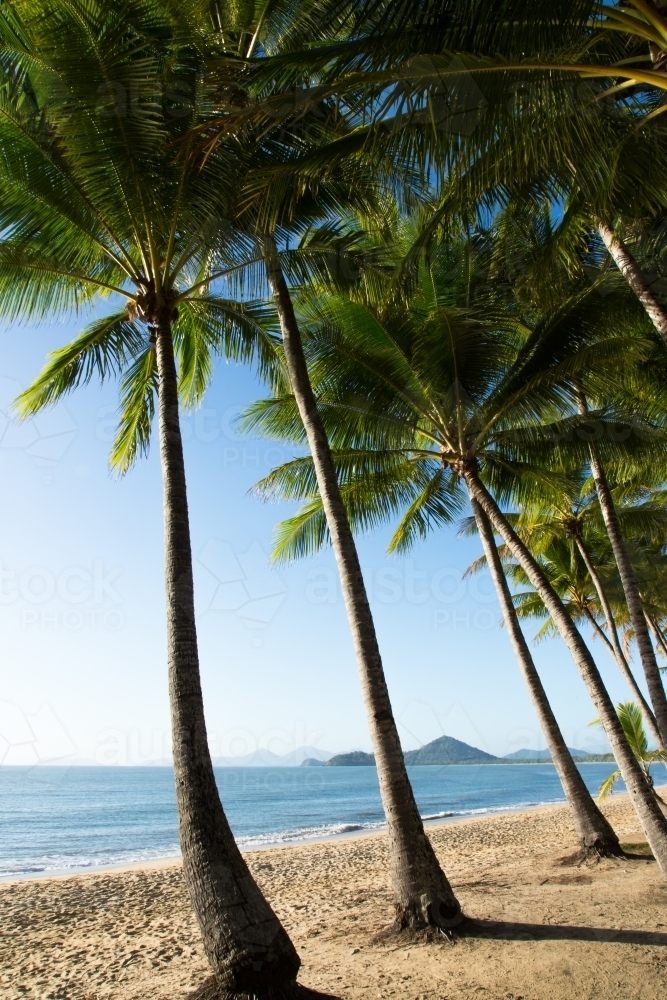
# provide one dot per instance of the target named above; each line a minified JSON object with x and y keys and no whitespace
{"x":546,"y":930}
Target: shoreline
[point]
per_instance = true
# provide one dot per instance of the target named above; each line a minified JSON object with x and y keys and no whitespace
{"x":157,"y":864}
{"x":543,"y":924}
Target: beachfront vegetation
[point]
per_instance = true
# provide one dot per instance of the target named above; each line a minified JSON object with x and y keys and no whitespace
{"x":439,"y":249}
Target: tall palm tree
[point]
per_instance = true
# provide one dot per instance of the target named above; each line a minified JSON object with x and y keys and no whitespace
{"x":422,"y":893}
{"x":630,"y":586}
{"x":548,"y":249}
{"x":448,"y":400}
{"x":593,"y":830}
{"x":274,"y":208}
{"x":571,"y":548}
{"x":96,"y":204}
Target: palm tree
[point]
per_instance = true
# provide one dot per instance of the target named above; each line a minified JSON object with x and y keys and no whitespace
{"x":561,"y":532}
{"x":96,"y":204}
{"x":635,"y":277}
{"x":551,"y":244}
{"x":275,"y":206}
{"x":422,"y":894}
{"x":630,"y":586}
{"x":630,"y":718}
{"x":637,"y":606}
{"x":594,"y":832}
{"x":448,"y":400}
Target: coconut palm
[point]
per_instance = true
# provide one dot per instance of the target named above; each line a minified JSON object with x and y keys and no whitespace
{"x":630,"y":717}
{"x":100,"y":213}
{"x":564,"y":532}
{"x":610,"y":516}
{"x":445,"y":399}
{"x":630,"y":586}
{"x":221,"y":252}
{"x":422,"y":894}
{"x":384,"y":94}
{"x":594,"y":832}
{"x":274,"y":207}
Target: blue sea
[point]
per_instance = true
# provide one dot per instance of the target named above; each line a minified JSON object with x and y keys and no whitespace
{"x":77,"y":818}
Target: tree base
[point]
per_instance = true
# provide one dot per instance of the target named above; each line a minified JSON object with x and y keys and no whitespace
{"x":211,"y":990}
{"x":395,"y":934}
{"x":424,"y":919}
{"x":587,"y":855}
{"x":420,"y":914}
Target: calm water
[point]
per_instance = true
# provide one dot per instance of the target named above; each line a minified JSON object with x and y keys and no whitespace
{"x":54,"y":818}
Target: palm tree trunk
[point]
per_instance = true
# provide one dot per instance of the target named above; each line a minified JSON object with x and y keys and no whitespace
{"x":635,"y":277}
{"x":651,"y":818}
{"x":245,"y":943}
{"x":422,"y":894}
{"x":657,"y":632}
{"x":631,"y":590}
{"x":598,"y":631}
{"x":615,"y":645}
{"x":595,"y":834}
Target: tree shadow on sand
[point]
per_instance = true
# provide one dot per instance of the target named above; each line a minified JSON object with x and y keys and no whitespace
{"x":515,"y":931}
{"x":210,"y":990}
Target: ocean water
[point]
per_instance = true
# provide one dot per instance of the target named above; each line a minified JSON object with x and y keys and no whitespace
{"x":77,"y":818}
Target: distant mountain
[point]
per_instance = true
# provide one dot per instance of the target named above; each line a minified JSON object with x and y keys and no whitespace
{"x":444,"y":750}
{"x":356,"y":758}
{"x":447,"y":750}
{"x":266,"y":758}
{"x":313,"y":762}
{"x":525,"y":754}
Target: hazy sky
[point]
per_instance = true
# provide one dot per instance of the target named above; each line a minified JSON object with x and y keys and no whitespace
{"x":81,"y":603}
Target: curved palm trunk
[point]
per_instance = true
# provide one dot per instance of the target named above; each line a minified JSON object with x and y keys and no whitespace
{"x":595,"y":834}
{"x":635,"y":277}
{"x":422,"y":894}
{"x":598,"y":631}
{"x":614,"y":643}
{"x":247,"y":947}
{"x":631,"y":590}
{"x":651,"y":818}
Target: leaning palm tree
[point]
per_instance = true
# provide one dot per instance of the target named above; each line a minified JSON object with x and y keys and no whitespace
{"x":422,"y":893}
{"x":630,"y":717}
{"x":562,"y":530}
{"x":275,"y":207}
{"x":594,"y":832}
{"x":447,"y":400}
{"x":560,"y":249}
{"x":629,"y":583}
{"x":96,"y":205}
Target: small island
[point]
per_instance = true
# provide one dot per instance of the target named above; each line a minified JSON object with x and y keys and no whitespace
{"x":356,"y":758}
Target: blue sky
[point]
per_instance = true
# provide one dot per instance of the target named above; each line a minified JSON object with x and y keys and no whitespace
{"x":83,"y":670}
